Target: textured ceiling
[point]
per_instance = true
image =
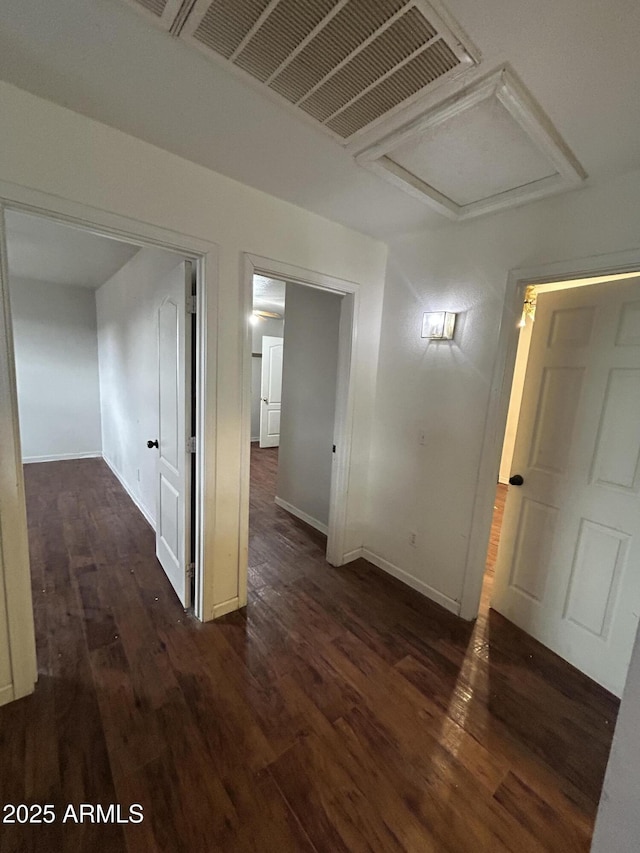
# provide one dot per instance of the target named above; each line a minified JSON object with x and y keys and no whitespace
{"x":578,"y":58}
{"x":268,"y":294}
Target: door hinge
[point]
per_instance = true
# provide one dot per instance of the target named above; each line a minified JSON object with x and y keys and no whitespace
{"x":334,"y":448}
{"x":191,"y":570}
{"x":191,"y":303}
{"x":191,"y":444}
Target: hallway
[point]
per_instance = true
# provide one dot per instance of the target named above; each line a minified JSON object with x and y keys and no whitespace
{"x":341,"y":711}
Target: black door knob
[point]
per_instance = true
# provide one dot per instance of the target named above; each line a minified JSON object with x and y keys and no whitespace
{"x":516,"y":480}
{"x":151,"y":444}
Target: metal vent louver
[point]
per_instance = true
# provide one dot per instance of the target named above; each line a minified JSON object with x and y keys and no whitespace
{"x":344,"y":63}
{"x":348,"y":29}
{"x":432,"y":63}
{"x":156,"y":7}
{"x":227,"y":22}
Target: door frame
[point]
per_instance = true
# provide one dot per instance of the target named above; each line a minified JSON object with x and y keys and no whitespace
{"x":14,"y":554}
{"x":500,"y":393}
{"x":345,"y":385}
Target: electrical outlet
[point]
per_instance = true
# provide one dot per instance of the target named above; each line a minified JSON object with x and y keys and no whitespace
{"x":413,"y":539}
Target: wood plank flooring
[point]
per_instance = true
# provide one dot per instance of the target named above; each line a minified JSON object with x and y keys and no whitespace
{"x":340,"y":712}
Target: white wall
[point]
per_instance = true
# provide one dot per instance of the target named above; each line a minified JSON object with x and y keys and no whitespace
{"x":82,"y":168}
{"x":56,"y":350}
{"x":443,"y":387}
{"x":309,"y":373}
{"x":617,"y":827}
{"x":267,"y":326}
{"x":128,"y":356}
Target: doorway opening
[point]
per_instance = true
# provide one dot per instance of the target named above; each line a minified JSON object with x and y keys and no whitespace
{"x":299,"y":325}
{"x":295,"y":332}
{"x":559,"y":545}
{"x":105,"y":341}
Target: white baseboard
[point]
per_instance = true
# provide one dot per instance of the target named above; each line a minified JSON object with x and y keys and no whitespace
{"x":6,"y":694}
{"x":60,"y":457}
{"x":303,"y":516}
{"x":255,"y":438}
{"x":350,"y":556}
{"x":225,"y":607}
{"x":131,"y":493}
{"x":420,"y":586}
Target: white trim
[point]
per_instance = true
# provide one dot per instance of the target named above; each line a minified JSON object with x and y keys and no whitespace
{"x":342,"y":430}
{"x":192,"y":21}
{"x":350,"y":556}
{"x":206,"y":368}
{"x":14,"y":542}
{"x":420,"y":586}
{"x":145,"y":512}
{"x":61,"y":457}
{"x":6,"y":695}
{"x":303,"y":516}
{"x":504,"y":86}
{"x":438,"y":13}
{"x":345,"y":390}
{"x":498,"y":405}
{"x":226,"y":607}
{"x":101,"y":222}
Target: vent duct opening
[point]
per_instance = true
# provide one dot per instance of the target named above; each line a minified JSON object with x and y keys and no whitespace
{"x":345,"y":64}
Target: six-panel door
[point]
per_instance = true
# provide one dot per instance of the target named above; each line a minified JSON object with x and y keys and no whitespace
{"x":568,"y":569}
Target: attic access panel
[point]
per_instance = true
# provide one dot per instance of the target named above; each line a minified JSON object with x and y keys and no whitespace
{"x":487,"y":148}
{"x":345,"y":65}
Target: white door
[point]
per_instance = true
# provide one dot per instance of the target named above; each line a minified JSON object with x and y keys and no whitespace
{"x":271,"y":391}
{"x":568,"y":569}
{"x":173,"y":504}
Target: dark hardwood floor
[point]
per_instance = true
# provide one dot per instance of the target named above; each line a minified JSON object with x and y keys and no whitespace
{"x":340,"y":712}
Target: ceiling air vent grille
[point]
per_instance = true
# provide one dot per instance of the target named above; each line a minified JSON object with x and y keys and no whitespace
{"x":432,"y":63}
{"x":290,"y":22}
{"x":227,"y":22}
{"x":382,"y":55}
{"x":343,"y":63}
{"x":347,"y":31}
{"x":156,"y":7}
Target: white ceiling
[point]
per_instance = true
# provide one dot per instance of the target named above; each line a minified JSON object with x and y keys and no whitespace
{"x":268,"y":294}
{"x":578,"y":58}
{"x":40,"y":249}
